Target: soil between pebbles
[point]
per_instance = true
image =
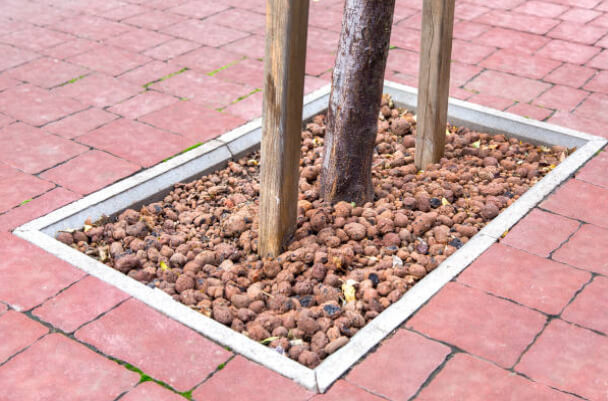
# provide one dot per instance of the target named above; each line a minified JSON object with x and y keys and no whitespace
{"x":346,"y":263}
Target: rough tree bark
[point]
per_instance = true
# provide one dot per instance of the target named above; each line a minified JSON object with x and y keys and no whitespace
{"x":354,"y":102}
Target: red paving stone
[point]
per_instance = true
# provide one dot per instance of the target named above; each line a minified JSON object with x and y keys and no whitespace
{"x":527,"y":279}
{"x":138,"y":40}
{"x":35,"y":38}
{"x":540,"y":232}
{"x":570,"y":75}
{"x":78,"y":373}
{"x":240,"y":19}
{"x":79,"y":304}
{"x":37,"y":106}
{"x":30,"y":275}
{"x":594,"y":172}
{"x":47,"y":72}
{"x":494,"y":102}
{"x":382,"y":372}
{"x":193,"y":120}
{"x":593,"y":107}
{"x":519,"y":22}
{"x":37,"y":207}
{"x":249,"y":72}
{"x":32,"y":150}
{"x":342,"y":390}
{"x":248,"y":108}
{"x":71,"y":48}
{"x":210,"y":91}
{"x":171,"y":49}
{"x":150,"y":391}
{"x":143,"y":104}
{"x":505,"y":85}
{"x":530,"y":111}
{"x":91,"y":27}
{"x":154,"y":20}
{"x":568,"y":52}
{"x":541,"y":9}
{"x":561,"y":98}
{"x":569,"y":358}
{"x":135,"y":142}
{"x":583,"y":124}
{"x":467,"y":378}
{"x":23,"y":187}
{"x":510,"y":61}
{"x":148,"y":73}
{"x":137,"y":334}
{"x":241,"y":376}
{"x":479,"y":323}
{"x":110,"y":60}
{"x":206,"y":59}
{"x":515,"y":40}
{"x":586,"y":249}
{"x":580,"y":200}
{"x":99,"y":90}
{"x":76,"y":176}
{"x":586,"y":34}
{"x":204,"y":32}
{"x":18,"y":332}
{"x":80,"y":123}
{"x":589,"y":307}
{"x":599,"y":83}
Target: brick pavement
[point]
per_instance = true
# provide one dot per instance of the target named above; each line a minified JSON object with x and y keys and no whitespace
{"x":106,"y":82}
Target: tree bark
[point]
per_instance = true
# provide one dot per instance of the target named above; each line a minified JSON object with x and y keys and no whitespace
{"x":354,"y":103}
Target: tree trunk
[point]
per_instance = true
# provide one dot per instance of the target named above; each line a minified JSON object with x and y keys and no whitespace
{"x":354,"y":103}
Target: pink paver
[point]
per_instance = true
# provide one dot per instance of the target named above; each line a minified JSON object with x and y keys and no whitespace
{"x":211,"y":91}
{"x":91,"y":27}
{"x":570,"y":75}
{"x":382,"y":371}
{"x":79,"y":304}
{"x":136,"y":333}
{"x":248,"y":108}
{"x":342,"y":390}
{"x":571,"y":31}
{"x":99,"y":90}
{"x":138,"y":40}
{"x":110,"y":60}
{"x":150,"y":72}
{"x":47,"y":72}
{"x":519,"y":22}
{"x":154,"y":20}
{"x":80,"y":123}
{"x":525,"y":278}
{"x":569,"y":52}
{"x":249,"y":71}
{"x":250,"y":46}
{"x":206,"y":59}
{"x":495,"y":102}
{"x":36,"y":38}
{"x":23,"y":187}
{"x":479,"y":323}
{"x":574,"y":121}
{"x":71,"y":48}
{"x":193,"y":121}
{"x":18,"y":332}
{"x":586,"y":249}
{"x":599,"y":83}
{"x":37,"y":106}
{"x":589,"y":307}
{"x":594,"y":171}
{"x":467,"y":378}
{"x":540,"y":232}
{"x":143,"y":104}
{"x":509,"y":39}
{"x":135,"y":142}
{"x":569,"y":358}
{"x":541,"y":8}
{"x":204,"y":32}
{"x":501,"y":84}
{"x":39,"y":206}
{"x":242,"y":20}
{"x":33,"y":150}
{"x":580,"y":200}
{"x":76,"y":176}
{"x":171,"y":49}
{"x":593,"y":107}
{"x":530,"y":111}
{"x":198,"y":9}
{"x":150,"y":391}
{"x":522,"y":64}
{"x":561,"y":98}
{"x":241,"y":377}
{"x":57,"y":368}
{"x":30,"y":275}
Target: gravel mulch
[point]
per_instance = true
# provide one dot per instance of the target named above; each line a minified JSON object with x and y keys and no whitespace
{"x":346,"y":263}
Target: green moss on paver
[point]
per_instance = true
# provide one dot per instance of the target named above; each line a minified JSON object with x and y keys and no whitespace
{"x":166,"y":77}
{"x":145,"y":378}
{"x":25,"y":202}
{"x":238,"y":99}
{"x":71,"y":81}
{"x":222,"y":68}
{"x":196,"y":145}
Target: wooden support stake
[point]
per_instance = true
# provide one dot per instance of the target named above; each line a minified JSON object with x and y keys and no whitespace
{"x":286,"y":27}
{"x":434,"y":83}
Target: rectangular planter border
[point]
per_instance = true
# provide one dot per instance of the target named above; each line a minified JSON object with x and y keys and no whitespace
{"x":155,"y":182}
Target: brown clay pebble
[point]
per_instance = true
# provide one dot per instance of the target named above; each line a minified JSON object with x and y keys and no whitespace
{"x":336,"y":344}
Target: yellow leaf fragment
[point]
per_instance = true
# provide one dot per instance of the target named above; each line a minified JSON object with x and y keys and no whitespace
{"x":348,"y":288}
{"x":163,"y":266}
{"x":476,"y":144}
{"x":445,"y":202}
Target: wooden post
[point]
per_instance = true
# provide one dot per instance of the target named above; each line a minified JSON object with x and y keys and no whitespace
{"x":284,"y":61}
{"x":434,"y":82}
